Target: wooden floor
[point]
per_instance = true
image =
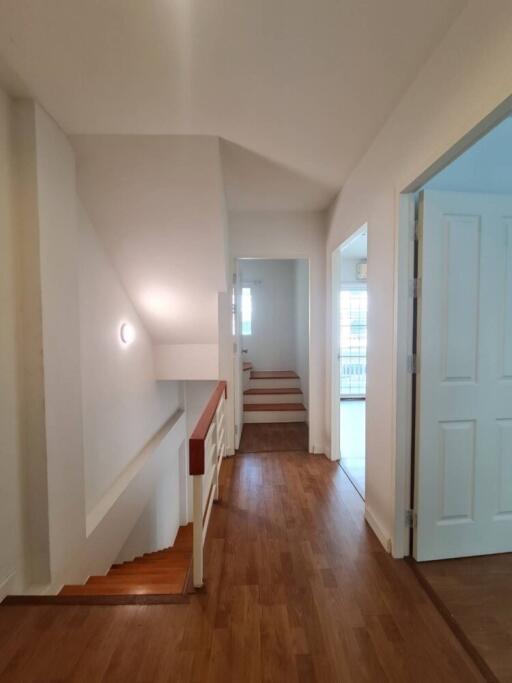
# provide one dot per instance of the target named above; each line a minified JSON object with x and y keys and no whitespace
{"x":477,"y":593}
{"x":274,"y":437}
{"x":298,"y":590}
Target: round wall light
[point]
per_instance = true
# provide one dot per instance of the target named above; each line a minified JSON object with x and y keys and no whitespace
{"x":127,"y":333}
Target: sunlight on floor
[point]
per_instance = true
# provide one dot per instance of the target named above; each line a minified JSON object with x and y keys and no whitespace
{"x":352,"y":441}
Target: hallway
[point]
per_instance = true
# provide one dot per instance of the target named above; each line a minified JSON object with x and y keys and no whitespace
{"x":298,"y":589}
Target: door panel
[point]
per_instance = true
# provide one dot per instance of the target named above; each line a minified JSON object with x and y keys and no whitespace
{"x":463,"y":487}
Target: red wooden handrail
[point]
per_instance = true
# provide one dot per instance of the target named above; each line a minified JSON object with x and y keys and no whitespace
{"x":196,"y":441}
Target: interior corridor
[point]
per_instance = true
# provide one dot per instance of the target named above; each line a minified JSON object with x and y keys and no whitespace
{"x":297,"y":589}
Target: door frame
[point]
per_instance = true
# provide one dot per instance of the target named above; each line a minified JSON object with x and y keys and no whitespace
{"x":404,"y":417}
{"x":335,"y":450}
{"x":307,"y":259}
{"x":237,"y":357}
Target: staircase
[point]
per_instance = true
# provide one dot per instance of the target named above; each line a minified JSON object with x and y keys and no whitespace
{"x":161,"y":576}
{"x":274,"y":396}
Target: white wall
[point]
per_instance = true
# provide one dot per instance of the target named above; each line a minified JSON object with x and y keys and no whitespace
{"x":348,"y":270}
{"x":123,"y":406}
{"x":271,"y":346}
{"x":101,"y":438}
{"x":468,"y":75}
{"x":157,"y":203}
{"x":293,"y":235}
{"x":301,"y":324}
{"x":59,"y":247}
{"x":12,"y":560}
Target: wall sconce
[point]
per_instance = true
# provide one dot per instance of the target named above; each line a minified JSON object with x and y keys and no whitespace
{"x":127,"y":333}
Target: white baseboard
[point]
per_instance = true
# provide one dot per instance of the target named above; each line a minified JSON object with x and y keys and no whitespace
{"x":377,"y":529}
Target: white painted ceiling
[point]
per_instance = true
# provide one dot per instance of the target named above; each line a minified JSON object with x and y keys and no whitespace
{"x":303,"y":85}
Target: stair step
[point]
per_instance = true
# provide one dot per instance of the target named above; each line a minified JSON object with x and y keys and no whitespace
{"x":174,"y":557}
{"x":271,"y":391}
{"x":184,"y":538}
{"x":145,"y":569}
{"x":141,"y":589}
{"x":162,"y":572}
{"x":170,"y":552}
{"x":161,"y":559}
{"x":247,"y":366}
{"x":274,"y":374}
{"x":171,"y":576}
{"x":273,"y":407}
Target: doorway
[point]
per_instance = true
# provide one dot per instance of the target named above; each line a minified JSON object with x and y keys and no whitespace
{"x":272,"y":334}
{"x":350,"y":304}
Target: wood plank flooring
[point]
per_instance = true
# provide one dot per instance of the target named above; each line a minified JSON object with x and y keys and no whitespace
{"x":476,"y":593}
{"x":298,"y":590}
{"x":274,"y":437}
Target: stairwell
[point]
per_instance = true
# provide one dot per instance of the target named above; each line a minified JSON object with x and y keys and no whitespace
{"x":273,"y":396}
{"x":161,"y":576}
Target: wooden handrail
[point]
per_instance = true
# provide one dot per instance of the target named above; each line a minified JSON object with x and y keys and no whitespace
{"x":196,"y":441}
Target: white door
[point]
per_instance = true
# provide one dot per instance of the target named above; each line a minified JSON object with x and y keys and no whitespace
{"x":237,"y":355}
{"x":464,"y":392}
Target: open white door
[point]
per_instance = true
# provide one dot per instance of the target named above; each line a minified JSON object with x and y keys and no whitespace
{"x":463,"y":480}
{"x":237,"y":355}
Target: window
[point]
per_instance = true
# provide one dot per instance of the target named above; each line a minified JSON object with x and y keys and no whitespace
{"x":246,"y":311}
{"x":353,"y":310}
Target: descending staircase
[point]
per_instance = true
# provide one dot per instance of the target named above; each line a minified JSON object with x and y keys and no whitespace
{"x":274,"y":396}
{"x":161,"y":576}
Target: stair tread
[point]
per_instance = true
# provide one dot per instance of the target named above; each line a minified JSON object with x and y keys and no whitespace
{"x":175,"y":576}
{"x":247,"y":366}
{"x":144,"y":569}
{"x":119,"y":589}
{"x":170,"y":552}
{"x":274,"y":374}
{"x":275,"y":407}
{"x":160,"y":559}
{"x":270,"y":391}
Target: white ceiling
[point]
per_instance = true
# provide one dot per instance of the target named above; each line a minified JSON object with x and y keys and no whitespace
{"x":254,"y":183}
{"x":305,"y":85}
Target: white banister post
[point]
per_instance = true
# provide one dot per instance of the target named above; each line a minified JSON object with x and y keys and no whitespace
{"x":198,"y":531}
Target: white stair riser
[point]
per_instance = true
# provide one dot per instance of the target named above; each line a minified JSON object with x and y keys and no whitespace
{"x":273,"y":398}
{"x":275,"y":416}
{"x":274,"y":384}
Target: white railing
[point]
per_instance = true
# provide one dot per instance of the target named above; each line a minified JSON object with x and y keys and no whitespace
{"x":207,"y":448}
